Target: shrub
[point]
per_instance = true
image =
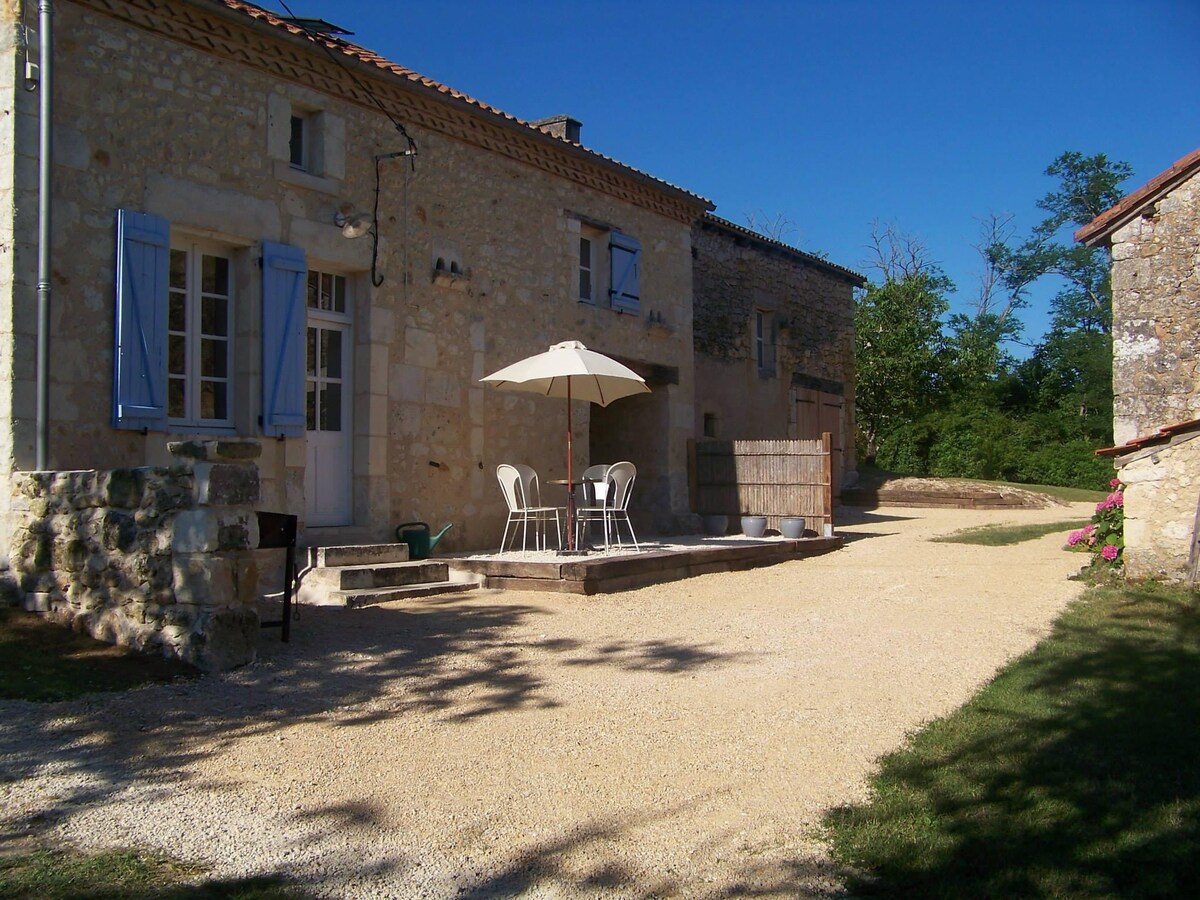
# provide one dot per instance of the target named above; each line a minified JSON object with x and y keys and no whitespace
{"x":1104,"y":536}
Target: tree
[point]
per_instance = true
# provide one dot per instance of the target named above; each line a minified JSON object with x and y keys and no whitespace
{"x":898,"y":347}
{"x":1088,"y":185}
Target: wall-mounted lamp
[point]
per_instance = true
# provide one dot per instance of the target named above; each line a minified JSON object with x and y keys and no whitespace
{"x":353,"y":225}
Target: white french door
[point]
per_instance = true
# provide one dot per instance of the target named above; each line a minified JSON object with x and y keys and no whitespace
{"x":329,"y":434}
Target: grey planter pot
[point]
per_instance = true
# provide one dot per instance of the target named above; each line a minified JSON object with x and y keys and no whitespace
{"x":754,"y":526}
{"x":792,"y":526}
{"x":716,"y":524}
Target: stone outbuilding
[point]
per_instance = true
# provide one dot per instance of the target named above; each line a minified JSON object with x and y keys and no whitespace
{"x":1154,"y":234}
{"x":773,"y":330}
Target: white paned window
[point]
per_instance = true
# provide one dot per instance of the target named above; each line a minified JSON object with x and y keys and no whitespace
{"x":199,"y":337}
{"x":586,"y":279}
{"x":326,"y":291}
{"x":327,"y":351}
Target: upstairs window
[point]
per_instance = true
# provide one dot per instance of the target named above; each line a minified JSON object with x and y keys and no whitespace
{"x":299,"y":143}
{"x":586,"y":293}
{"x":764,"y":342}
{"x":199,"y":336}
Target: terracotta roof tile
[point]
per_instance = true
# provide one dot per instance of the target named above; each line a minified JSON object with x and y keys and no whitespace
{"x":810,"y":258}
{"x":372,"y":58}
{"x":1163,"y":434}
{"x":1111,"y":219}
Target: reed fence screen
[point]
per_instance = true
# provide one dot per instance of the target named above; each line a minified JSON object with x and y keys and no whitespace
{"x":764,"y":478}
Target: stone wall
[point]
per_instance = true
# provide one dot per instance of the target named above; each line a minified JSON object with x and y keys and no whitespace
{"x":1156,"y":316}
{"x":178,"y":113}
{"x":159,"y":558}
{"x":1162,"y":485}
{"x":813,"y":309}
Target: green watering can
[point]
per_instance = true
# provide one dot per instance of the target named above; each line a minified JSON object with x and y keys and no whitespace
{"x":416,"y":535}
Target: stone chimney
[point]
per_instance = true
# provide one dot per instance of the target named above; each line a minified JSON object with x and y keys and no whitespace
{"x":563,"y":127}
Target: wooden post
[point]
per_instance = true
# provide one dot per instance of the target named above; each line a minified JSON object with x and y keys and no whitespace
{"x":827,"y":477}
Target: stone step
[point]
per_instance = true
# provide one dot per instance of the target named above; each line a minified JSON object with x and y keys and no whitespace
{"x":358,"y":555}
{"x":372,"y":596}
{"x":350,"y":578}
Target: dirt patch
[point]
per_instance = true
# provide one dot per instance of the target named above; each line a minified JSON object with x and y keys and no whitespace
{"x":956,"y":493}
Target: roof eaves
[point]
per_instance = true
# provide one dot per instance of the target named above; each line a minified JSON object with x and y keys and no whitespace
{"x":812,"y":259}
{"x":448,"y":94}
{"x":1161,"y":436}
{"x":1101,"y":228}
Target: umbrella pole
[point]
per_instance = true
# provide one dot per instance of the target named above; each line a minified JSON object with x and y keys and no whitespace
{"x":570,"y":478}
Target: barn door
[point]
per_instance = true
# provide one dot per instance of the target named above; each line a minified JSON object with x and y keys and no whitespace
{"x":817,"y":412}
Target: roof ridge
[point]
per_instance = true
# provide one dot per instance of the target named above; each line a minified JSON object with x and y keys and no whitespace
{"x":750,"y":232}
{"x":1113,"y":217}
{"x":370,"y":57}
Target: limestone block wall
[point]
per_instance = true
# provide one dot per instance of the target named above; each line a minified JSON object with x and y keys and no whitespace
{"x":814,"y":312}
{"x":1162,"y":487}
{"x":158,"y":115}
{"x":1156,"y":316}
{"x":159,"y":558}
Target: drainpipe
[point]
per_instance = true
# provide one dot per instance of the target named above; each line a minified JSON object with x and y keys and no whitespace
{"x":45,"y":161}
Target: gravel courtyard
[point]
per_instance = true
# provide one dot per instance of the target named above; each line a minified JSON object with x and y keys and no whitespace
{"x":677,"y":740}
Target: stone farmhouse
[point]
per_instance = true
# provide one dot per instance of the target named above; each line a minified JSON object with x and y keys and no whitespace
{"x":264,"y":232}
{"x":206,"y":152}
{"x":1154,"y":234}
{"x":774,"y":336}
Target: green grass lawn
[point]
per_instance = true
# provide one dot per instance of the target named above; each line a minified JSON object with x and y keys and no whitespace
{"x":1075,"y":773}
{"x":43,"y":661}
{"x":124,"y":875}
{"x":1002,"y":535}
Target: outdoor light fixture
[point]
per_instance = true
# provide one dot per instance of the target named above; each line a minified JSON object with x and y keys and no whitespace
{"x":353,"y":225}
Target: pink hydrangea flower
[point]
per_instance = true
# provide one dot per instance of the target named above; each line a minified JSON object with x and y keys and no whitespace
{"x":1115,"y":483}
{"x":1074,"y":537}
{"x":1110,"y":552}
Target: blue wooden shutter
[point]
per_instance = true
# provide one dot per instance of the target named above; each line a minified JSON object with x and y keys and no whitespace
{"x":625,"y":256}
{"x":139,"y":351}
{"x":283,"y":306}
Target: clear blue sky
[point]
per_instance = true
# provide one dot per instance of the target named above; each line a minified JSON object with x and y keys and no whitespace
{"x":928,"y":115}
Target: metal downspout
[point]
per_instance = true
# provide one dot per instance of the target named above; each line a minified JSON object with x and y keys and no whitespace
{"x":45,"y":161}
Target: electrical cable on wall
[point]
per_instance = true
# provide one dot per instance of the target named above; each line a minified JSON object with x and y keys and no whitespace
{"x":410,"y":153}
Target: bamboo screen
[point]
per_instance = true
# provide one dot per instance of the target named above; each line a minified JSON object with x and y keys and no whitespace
{"x":764,"y":478}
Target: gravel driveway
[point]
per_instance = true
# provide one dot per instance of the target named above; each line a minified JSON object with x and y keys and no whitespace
{"x":676,"y":740}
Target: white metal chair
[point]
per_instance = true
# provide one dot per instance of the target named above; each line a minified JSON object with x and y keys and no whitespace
{"x":611,"y":504}
{"x":523,"y":494}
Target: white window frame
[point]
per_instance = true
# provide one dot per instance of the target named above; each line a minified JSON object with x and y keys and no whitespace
{"x":318,"y":317}
{"x":589,"y":270}
{"x":193,"y":297}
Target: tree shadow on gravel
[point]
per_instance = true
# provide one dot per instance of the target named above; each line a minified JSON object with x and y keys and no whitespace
{"x":455,"y":657}
{"x":1073,"y":774}
{"x":584,"y":863}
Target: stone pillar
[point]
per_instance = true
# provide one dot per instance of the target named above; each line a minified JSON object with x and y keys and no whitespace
{"x":215,"y":623}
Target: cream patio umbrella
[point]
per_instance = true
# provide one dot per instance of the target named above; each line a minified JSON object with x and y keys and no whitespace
{"x":572,"y":371}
